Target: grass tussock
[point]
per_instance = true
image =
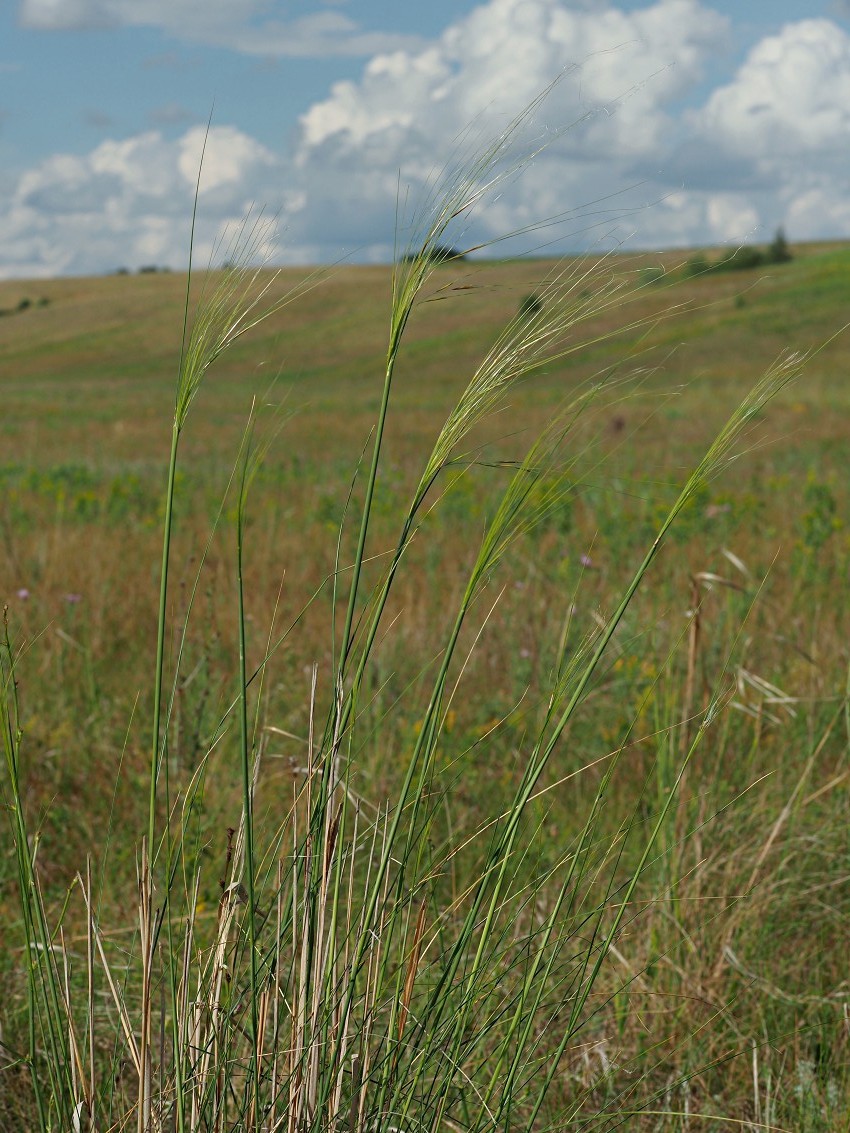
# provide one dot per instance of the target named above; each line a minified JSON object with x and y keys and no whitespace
{"x":389,"y":867}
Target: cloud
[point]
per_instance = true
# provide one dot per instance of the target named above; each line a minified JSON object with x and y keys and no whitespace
{"x":98,"y":119}
{"x":55,"y":14}
{"x":770,"y":146}
{"x":170,"y":114}
{"x":320,"y":35}
{"x":621,"y":75}
{"x":127,"y":203}
{"x":780,"y":130}
{"x":169,"y":61}
{"x":241,"y":25}
{"x":789,"y":99}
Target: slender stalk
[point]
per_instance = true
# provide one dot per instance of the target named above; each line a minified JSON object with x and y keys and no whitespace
{"x":247,"y":785}
{"x":367,"y":507}
{"x":159,"y":664}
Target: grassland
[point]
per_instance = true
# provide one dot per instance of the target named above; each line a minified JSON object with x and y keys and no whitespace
{"x":726,"y":995}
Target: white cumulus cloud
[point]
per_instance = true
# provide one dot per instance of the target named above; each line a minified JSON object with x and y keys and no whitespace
{"x":790,"y":98}
{"x":621,"y":73}
{"x":780,"y":130}
{"x":127,"y":203}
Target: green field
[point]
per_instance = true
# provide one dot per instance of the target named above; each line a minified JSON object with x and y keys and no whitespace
{"x":722,"y":995}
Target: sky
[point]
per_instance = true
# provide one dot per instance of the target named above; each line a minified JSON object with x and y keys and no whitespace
{"x":673,"y":123}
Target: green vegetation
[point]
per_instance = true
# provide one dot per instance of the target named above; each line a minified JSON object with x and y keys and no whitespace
{"x":493,"y":770}
{"x":438,"y":254}
{"x":23,"y":305}
{"x":743,"y":258}
{"x":530,"y":306}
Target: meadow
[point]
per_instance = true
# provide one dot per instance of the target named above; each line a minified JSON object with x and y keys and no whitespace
{"x":658,"y":933}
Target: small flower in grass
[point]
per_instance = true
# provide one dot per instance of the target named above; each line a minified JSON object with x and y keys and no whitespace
{"x":23,"y":593}
{"x":73,"y":599}
{"x":587,"y":561}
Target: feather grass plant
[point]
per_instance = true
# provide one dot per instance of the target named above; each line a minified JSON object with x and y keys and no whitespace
{"x":364,"y":972}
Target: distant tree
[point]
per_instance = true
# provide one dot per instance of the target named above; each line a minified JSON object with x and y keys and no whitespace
{"x":697,"y":265}
{"x":530,"y":306}
{"x":653,"y":274}
{"x":779,"y":251}
{"x":438,"y":254}
{"x":741,"y":259}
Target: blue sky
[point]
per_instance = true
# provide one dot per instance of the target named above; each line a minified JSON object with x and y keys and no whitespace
{"x":711,"y":122}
